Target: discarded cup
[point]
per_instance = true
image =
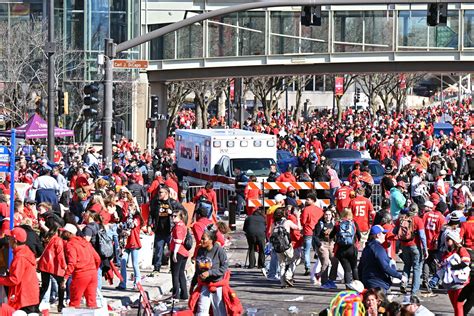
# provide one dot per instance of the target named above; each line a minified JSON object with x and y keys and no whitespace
{"x":251,"y":311}
{"x":293,"y":310}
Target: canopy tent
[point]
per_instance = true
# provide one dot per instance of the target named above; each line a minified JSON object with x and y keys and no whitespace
{"x":36,"y":127}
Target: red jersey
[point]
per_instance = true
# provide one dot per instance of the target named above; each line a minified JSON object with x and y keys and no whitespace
{"x":309,"y":218}
{"x":343,"y":198}
{"x":363,"y":212}
{"x":58,"y":156}
{"x":467,"y":232}
{"x":433,"y":221}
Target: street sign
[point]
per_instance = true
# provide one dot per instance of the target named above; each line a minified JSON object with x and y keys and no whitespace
{"x":134,"y":64}
{"x":4,"y":159}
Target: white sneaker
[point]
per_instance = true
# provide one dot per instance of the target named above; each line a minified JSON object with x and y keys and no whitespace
{"x":316,"y":282}
{"x":264,"y":272}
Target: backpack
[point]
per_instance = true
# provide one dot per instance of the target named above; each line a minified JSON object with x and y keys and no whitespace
{"x":104,"y":242}
{"x":280,"y":238}
{"x":458,"y":197}
{"x":406,"y":229}
{"x":188,"y":241}
{"x":204,"y":203}
{"x":346,"y":234}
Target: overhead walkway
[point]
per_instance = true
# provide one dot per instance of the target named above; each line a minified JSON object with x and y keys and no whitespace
{"x":375,"y":38}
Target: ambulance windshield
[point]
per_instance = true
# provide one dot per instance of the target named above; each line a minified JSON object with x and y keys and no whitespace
{"x":259,"y":167}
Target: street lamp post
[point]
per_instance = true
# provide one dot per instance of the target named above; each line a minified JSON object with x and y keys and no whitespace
{"x":50,"y":49}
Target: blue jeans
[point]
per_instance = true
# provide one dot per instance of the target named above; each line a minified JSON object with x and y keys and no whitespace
{"x":240,"y":204}
{"x":411,"y":257}
{"x":333,"y":195}
{"x":112,"y":233}
{"x":159,"y":246}
{"x":307,"y":251}
{"x":123,"y":266}
{"x":274,"y":268}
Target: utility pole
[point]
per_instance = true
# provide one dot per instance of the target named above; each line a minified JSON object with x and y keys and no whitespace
{"x":50,"y":49}
{"x":108,"y":104}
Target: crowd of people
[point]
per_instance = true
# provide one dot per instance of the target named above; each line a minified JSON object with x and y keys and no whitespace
{"x":79,"y":224}
{"x":424,"y":214}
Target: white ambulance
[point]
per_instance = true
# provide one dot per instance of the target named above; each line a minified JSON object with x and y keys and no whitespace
{"x":212,"y":154}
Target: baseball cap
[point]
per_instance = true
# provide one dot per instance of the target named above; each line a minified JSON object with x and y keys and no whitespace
{"x":377,"y":229}
{"x":279,"y":198}
{"x":410,"y":299}
{"x":429,"y":204}
{"x":17,"y":233}
{"x":69,"y":228}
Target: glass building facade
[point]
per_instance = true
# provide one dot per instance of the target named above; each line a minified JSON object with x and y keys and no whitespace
{"x":344,"y":29}
{"x":80,"y":28}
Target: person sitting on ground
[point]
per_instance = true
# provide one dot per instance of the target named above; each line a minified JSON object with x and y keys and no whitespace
{"x":375,"y":268}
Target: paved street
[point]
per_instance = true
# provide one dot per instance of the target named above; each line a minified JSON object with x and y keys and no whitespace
{"x":256,"y":292}
{"x":269,"y":299}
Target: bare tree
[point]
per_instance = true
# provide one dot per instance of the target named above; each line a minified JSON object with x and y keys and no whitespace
{"x":205,"y":91}
{"x":300,"y":82}
{"x":25,"y":73}
{"x":177,"y":92}
{"x":348,"y":81}
{"x":268,"y":91}
{"x":400,"y":94}
{"x":371,"y":84}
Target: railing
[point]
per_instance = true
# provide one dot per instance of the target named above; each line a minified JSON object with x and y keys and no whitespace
{"x":223,"y":196}
{"x":376,"y":196}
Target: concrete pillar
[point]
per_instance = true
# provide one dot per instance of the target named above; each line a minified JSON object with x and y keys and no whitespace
{"x":160,"y":89}
{"x":140,"y":110}
{"x":221,"y":105}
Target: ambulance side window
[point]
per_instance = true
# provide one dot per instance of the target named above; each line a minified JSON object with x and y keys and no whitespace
{"x":225,"y":166}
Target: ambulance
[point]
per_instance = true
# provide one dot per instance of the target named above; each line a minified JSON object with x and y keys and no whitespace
{"x":212,"y":154}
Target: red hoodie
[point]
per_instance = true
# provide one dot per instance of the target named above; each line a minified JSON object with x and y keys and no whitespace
{"x":53,"y":260}
{"x":22,"y":280}
{"x":80,"y":256}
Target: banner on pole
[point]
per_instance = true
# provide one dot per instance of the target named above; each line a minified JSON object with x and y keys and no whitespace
{"x":339,"y":86}
{"x":403,"y":81}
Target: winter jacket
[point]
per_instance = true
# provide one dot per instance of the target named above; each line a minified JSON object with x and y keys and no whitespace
{"x":22,"y":280}
{"x":80,"y":257}
{"x":53,"y":260}
{"x":374,"y":267}
{"x":160,"y":215}
{"x":33,"y":241}
{"x":254,"y":225}
{"x":397,"y":202}
{"x":231,"y":301}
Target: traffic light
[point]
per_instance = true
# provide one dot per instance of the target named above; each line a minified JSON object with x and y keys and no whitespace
{"x":60,"y":102}
{"x":311,"y":15}
{"x":154,"y":107}
{"x":63,"y":102}
{"x":91,"y":99}
{"x":150,"y":123}
{"x":437,"y":14}
{"x":357,"y":96}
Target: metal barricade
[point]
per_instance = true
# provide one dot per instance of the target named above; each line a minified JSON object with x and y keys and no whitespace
{"x":223,"y":196}
{"x":265,"y":186}
{"x":376,"y":197}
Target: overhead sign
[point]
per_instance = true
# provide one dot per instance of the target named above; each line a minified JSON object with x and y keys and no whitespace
{"x":4,"y":159}
{"x":133,"y":64}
